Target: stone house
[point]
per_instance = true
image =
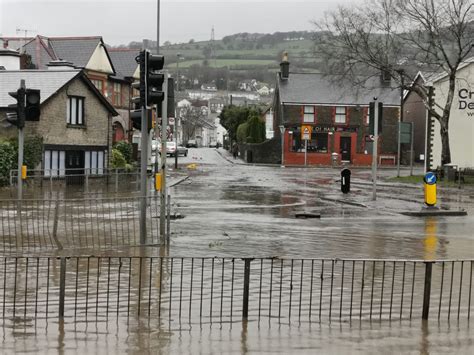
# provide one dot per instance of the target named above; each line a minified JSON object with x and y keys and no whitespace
{"x":337,"y":116}
{"x":111,"y":73}
{"x":75,"y":122}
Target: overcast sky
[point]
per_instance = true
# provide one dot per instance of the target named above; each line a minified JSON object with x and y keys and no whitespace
{"x":120,"y":22}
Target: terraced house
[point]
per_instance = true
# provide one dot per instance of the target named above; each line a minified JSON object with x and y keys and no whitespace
{"x":335,"y":114}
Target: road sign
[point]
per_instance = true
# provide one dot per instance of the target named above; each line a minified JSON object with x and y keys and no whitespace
{"x":306,"y":132}
{"x":430,"y":178}
{"x":171,"y":121}
{"x":405,"y":132}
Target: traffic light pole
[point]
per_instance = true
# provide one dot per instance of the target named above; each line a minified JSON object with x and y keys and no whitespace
{"x":143,"y":174}
{"x":164,"y":126}
{"x":21,"y":141}
{"x":374,"y":152}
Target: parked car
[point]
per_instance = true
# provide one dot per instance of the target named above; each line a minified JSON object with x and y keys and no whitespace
{"x":171,"y":149}
{"x":213,"y":145}
{"x":191,"y":144}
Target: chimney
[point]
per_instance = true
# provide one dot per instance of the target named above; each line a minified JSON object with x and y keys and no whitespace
{"x":5,"y":43}
{"x":386,"y":75}
{"x":60,"y":65}
{"x":9,"y":59}
{"x":284,"y":67}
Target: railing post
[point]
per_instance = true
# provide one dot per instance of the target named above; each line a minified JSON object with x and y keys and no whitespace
{"x":55,"y":225}
{"x":427,"y":289}
{"x":62,"y":286}
{"x":245,"y":305}
{"x":87,"y":179}
{"x":116,"y":180}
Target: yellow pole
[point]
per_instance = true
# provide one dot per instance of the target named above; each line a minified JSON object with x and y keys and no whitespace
{"x":158,"y":181}
{"x":23,"y":172}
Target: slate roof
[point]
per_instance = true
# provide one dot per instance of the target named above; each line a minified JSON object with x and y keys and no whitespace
{"x":124,"y":62}
{"x":77,"y":50}
{"x":316,"y":88}
{"x":48,"y":81}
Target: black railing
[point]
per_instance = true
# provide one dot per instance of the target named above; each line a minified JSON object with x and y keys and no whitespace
{"x":221,"y":290}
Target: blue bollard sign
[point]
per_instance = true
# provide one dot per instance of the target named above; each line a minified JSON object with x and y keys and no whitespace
{"x":430,"y":178}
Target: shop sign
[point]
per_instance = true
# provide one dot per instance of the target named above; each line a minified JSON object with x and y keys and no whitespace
{"x":306,"y":132}
{"x":466,"y":101}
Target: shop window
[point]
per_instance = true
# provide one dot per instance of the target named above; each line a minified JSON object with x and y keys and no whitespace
{"x":54,"y":162}
{"x":317,"y":144}
{"x":94,"y":160}
{"x":340,"y":116}
{"x":308,"y":116}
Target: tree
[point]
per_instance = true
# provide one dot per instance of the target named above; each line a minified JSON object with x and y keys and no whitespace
{"x":394,"y":37}
{"x":233,"y":116}
{"x":190,"y":119}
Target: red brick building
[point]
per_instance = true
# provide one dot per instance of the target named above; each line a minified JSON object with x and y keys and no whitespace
{"x":336,"y":112}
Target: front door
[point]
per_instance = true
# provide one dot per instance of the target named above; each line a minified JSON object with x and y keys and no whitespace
{"x":345,"y":149}
{"x":75,"y":166}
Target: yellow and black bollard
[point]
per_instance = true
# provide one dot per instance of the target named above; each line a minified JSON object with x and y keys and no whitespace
{"x":430,"y":189}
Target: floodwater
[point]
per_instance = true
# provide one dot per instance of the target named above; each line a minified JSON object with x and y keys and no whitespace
{"x":134,"y":337}
{"x":233,"y":210}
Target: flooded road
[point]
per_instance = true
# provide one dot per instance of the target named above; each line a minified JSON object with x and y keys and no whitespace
{"x":233,"y":210}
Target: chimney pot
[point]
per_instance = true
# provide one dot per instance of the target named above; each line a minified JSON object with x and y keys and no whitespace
{"x":284,"y":67}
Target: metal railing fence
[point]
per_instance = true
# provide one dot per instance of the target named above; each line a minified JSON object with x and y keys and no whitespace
{"x":223,"y":290}
{"x":53,"y":179}
{"x":76,"y":223}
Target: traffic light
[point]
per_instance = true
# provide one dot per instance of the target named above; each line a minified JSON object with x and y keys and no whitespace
{"x":136,"y":117}
{"x":153,"y":79}
{"x":17,"y":117}
{"x":32,"y":105}
{"x":372,"y":117}
{"x":140,"y":86}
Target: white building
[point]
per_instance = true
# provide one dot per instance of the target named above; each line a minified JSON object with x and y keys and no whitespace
{"x":461,"y":121}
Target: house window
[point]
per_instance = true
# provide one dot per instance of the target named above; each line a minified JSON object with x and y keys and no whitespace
{"x":54,"y":162}
{"x":99,"y":84}
{"x":117,"y":94}
{"x":367,"y":116}
{"x":75,"y":111}
{"x":340,"y":116}
{"x":308,"y":116}
{"x":94,"y":160}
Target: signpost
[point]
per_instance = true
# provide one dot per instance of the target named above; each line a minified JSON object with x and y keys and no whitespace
{"x":405,"y":136}
{"x":306,"y":132}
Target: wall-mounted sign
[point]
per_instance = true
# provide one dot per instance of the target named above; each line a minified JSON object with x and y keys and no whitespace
{"x":466,"y":101}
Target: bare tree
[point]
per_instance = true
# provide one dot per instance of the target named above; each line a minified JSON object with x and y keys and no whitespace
{"x":191,"y":118}
{"x":398,"y":38}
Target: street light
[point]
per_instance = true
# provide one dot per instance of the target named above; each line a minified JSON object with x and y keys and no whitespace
{"x":282,"y":134}
{"x":178,"y":57}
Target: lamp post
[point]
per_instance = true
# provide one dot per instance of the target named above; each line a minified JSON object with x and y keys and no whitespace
{"x":178,"y":57}
{"x":282,"y":134}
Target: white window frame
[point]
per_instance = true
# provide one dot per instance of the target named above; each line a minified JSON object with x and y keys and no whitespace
{"x":75,"y":111}
{"x":54,"y":162}
{"x":340,"y":117}
{"x":308,"y":114}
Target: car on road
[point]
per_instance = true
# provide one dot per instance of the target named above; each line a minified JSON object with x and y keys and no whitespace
{"x":171,"y":149}
{"x":191,"y":144}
